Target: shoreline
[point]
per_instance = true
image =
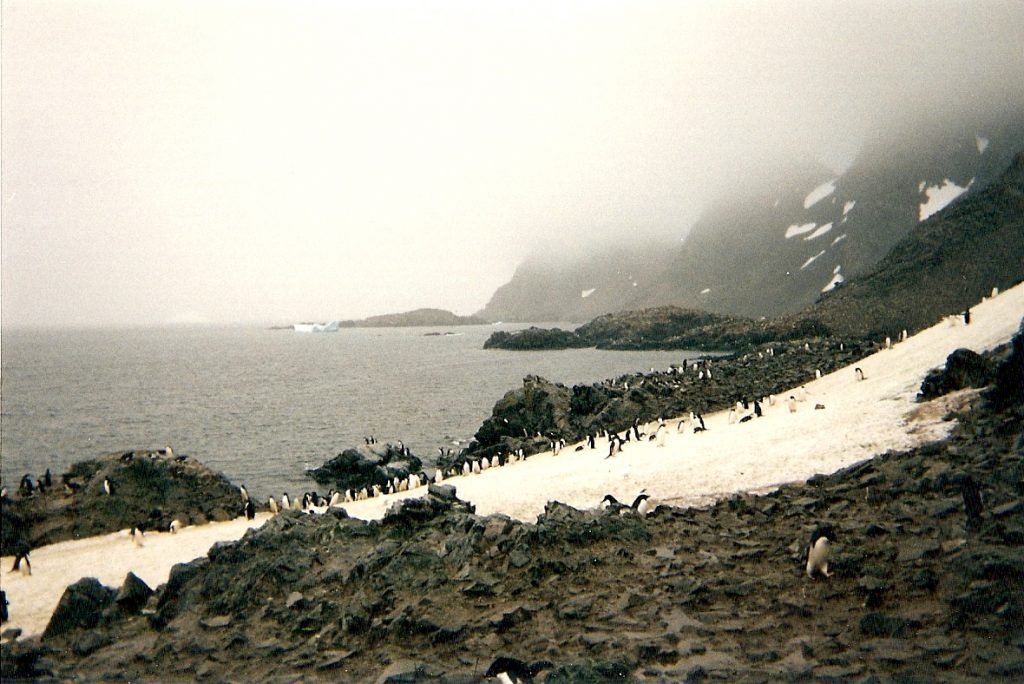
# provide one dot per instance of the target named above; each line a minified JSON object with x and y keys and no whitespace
{"x":880,"y":414}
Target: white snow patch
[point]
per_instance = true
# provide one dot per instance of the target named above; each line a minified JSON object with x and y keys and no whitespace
{"x":586,"y":293}
{"x":777,"y":203}
{"x":819,"y":193}
{"x":939,"y":196}
{"x":982,"y":144}
{"x":705,"y":290}
{"x":836,"y":279}
{"x":821,"y":231}
{"x":811,"y":260}
{"x":920,"y":186}
{"x":795,"y":230}
{"x":840,"y":238}
{"x":634,"y":283}
{"x":836,"y":269}
{"x":848,"y":206}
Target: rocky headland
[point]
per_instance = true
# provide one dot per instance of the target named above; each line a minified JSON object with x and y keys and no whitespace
{"x":927,"y":583}
{"x":148,"y":490}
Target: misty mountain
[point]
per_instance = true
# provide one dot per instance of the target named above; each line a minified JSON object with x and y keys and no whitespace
{"x":771,"y":245}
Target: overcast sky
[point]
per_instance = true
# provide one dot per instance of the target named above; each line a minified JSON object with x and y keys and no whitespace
{"x":222,"y":161}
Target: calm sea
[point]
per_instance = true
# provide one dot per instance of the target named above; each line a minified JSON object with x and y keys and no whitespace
{"x":262,"y":405}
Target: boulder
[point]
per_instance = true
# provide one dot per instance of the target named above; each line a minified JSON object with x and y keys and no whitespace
{"x":81,"y":607}
{"x":964,"y":368}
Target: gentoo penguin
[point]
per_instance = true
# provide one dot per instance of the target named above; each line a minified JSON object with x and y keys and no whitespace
{"x":136,"y":535}
{"x":791,"y":403}
{"x":858,"y":373}
{"x":244,"y":493}
{"x":108,"y":487}
{"x":273,"y":505}
{"x":250,"y":509}
{"x":514,"y":671}
{"x":818,"y":551}
{"x":174,"y":526}
{"x":286,"y":503}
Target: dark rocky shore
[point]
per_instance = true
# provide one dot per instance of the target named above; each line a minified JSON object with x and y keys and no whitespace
{"x":923,"y":588}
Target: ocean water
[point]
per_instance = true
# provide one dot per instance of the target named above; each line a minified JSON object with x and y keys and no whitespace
{"x":263,"y":405}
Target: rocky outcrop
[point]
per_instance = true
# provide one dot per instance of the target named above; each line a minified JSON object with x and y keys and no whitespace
{"x":964,"y":368}
{"x":147,"y":490}
{"x":365,"y":466}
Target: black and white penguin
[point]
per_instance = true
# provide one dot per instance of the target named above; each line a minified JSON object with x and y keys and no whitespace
{"x":614,"y":445}
{"x":272,"y":504}
{"x":514,"y":671}
{"x":250,"y":509}
{"x":791,"y":403}
{"x":48,"y":479}
{"x":818,"y":551}
{"x":700,"y":419}
{"x":174,"y":526}
{"x":858,"y":373}
{"x":243,"y":492}
{"x":642,"y":504}
{"x":108,"y":487}
{"x":22,"y":563}
{"x":136,"y":535}
{"x":591,"y":441}
{"x":757,"y":409}
{"x":609,"y":502}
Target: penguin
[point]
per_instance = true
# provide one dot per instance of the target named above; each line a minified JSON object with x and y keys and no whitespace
{"x":967,"y":316}
{"x":747,"y":418}
{"x":136,"y":535}
{"x":175,"y":526}
{"x":661,"y":434}
{"x":614,"y":445}
{"x":642,"y":504}
{"x":888,"y":342}
{"x":858,"y":373}
{"x":757,"y":409}
{"x":272,"y":503}
{"x":485,"y":463}
{"x":48,"y":478}
{"x":21,"y":551}
{"x":514,"y":671}
{"x":108,"y":487}
{"x":244,"y":493}
{"x":732,"y":416}
{"x":476,"y":467}
{"x":791,"y":403}
{"x":335,"y":499}
{"x":591,"y":441}
{"x":286,"y":503}
{"x":466,"y":468}
{"x":250,"y":509}
{"x":817,"y":374}
{"x":818,"y":551}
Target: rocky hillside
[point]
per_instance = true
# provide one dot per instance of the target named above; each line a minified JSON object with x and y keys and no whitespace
{"x":771,"y":247}
{"x":942,"y":265}
{"x":922,"y":587}
{"x":416,"y":318}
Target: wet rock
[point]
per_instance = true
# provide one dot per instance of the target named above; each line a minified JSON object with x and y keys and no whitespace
{"x":882,"y":625}
{"x":80,"y":607}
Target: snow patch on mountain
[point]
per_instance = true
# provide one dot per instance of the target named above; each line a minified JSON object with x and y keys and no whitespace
{"x":982,"y":144}
{"x":821,"y":231}
{"x":837,"y":278}
{"x":705,"y":290}
{"x":811,"y":260}
{"x":795,"y":229}
{"x":939,"y":196}
{"x":586,"y":293}
{"x":819,"y":193}
{"x":839,"y":238}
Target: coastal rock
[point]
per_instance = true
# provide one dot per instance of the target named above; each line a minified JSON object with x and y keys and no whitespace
{"x":133,"y":594}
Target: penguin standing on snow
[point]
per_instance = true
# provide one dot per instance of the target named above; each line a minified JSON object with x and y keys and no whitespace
{"x":858,"y":373}
{"x":642,"y":504}
{"x":817,"y":554}
{"x":250,"y":509}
